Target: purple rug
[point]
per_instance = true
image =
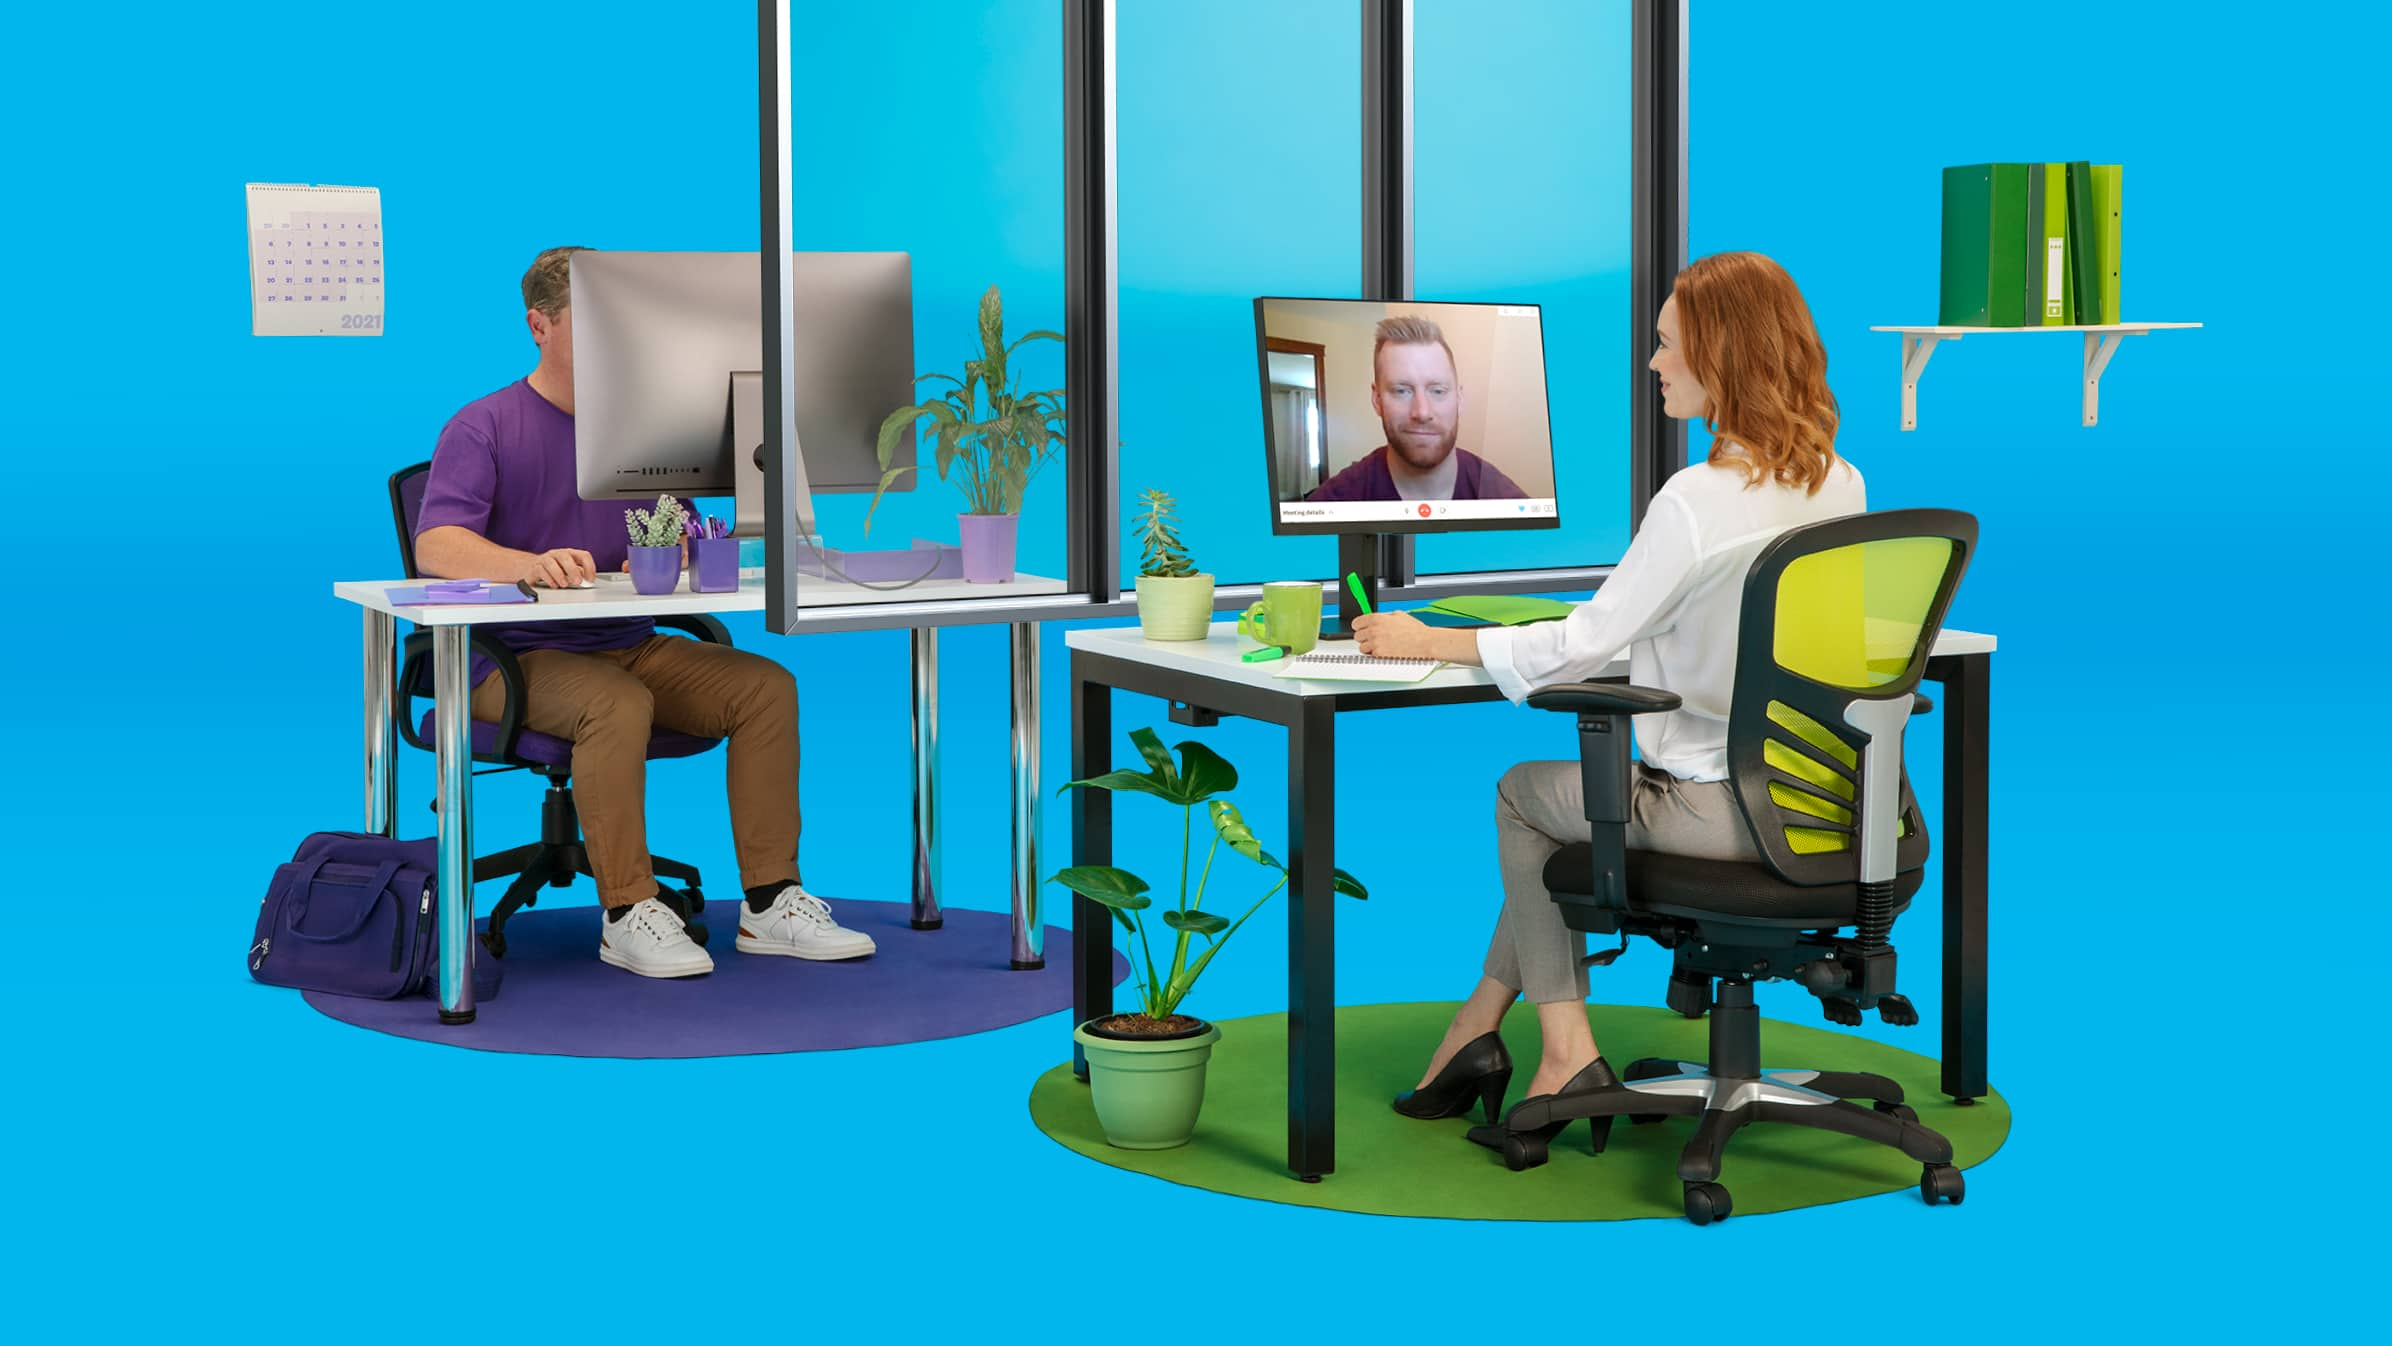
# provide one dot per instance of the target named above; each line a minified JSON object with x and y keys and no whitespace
{"x":559,"y":1000}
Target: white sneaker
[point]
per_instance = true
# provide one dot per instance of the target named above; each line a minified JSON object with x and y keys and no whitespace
{"x":799,"y":925}
{"x":651,"y":941}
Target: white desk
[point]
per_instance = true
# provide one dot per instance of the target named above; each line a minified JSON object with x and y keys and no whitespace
{"x":613,"y":596}
{"x":1203,"y":680}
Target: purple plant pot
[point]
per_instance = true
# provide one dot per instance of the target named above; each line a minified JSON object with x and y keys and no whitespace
{"x":714,"y":565}
{"x":988,"y":546}
{"x":657,"y":570}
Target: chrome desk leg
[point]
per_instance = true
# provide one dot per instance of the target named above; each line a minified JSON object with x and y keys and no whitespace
{"x":452,"y":739}
{"x":381,"y":735}
{"x":1029,"y":930}
{"x":927,"y":914}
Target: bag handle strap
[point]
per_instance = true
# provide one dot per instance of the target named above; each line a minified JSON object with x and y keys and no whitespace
{"x":296,"y":910}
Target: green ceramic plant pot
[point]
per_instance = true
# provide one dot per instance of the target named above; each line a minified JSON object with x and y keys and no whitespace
{"x":1175,"y":609}
{"x":1147,"y":1090}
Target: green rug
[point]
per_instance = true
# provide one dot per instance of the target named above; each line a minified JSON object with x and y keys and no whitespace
{"x":1391,"y":1165}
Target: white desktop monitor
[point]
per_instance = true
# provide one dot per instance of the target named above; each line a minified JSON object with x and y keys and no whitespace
{"x":667,"y":373}
{"x":1393,"y":416}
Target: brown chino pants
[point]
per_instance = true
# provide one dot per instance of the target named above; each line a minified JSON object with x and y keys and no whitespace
{"x":606,"y":703}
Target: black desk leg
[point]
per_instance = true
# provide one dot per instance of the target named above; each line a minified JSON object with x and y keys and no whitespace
{"x":1091,"y":844}
{"x":1312,"y":941}
{"x":1964,"y":875}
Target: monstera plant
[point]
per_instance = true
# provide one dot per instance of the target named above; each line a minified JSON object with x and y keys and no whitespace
{"x":1146,"y":1068}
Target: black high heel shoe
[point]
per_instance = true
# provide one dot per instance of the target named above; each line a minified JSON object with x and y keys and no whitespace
{"x":1478,"y":1073}
{"x":1525,"y":1148}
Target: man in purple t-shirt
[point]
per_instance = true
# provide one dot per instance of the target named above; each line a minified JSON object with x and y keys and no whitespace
{"x":501,"y":504}
{"x":1418,"y":397}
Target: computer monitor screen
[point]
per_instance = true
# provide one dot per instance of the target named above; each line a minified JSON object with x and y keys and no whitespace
{"x":667,"y":361}
{"x":1402,"y":417}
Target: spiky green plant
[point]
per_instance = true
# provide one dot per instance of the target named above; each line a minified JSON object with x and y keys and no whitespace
{"x":660,"y":527}
{"x":1161,"y":553}
{"x":1196,"y":778}
{"x":983,"y":433}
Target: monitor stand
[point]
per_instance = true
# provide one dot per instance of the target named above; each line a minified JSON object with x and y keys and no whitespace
{"x":743,"y":421}
{"x":1357,"y":555}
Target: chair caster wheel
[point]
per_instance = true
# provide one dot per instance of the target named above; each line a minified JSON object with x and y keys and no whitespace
{"x":697,"y":934}
{"x":1522,"y":1153}
{"x":1942,"y":1182}
{"x":1707,"y":1203}
{"x":1899,"y":1111}
{"x":494,"y":942}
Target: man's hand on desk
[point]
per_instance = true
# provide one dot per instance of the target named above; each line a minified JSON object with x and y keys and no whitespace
{"x":1400,"y":635}
{"x":561,"y":568}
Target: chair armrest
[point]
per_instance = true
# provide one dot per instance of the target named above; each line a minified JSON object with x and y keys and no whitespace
{"x":1604,"y":767}
{"x":415,"y":676}
{"x":698,"y":625}
{"x":1603,"y":698}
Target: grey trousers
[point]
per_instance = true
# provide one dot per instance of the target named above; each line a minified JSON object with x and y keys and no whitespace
{"x":1541,"y":807}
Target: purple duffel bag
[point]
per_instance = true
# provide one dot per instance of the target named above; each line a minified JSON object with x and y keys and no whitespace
{"x":351,"y":914}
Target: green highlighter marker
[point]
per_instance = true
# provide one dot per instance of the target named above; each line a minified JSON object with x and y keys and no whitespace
{"x":1266,"y":652}
{"x":1354,"y":582}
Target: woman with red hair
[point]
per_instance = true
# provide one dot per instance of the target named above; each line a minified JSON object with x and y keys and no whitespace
{"x":1738,"y":349}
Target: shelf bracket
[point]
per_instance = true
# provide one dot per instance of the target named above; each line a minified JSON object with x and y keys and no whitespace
{"x":2099,"y":347}
{"x":1916,"y":351}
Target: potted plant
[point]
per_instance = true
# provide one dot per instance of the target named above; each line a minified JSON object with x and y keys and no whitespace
{"x":1146,"y":1068}
{"x":987,"y":436}
{"x":656,"y":545}
{"x":1175,"y":600}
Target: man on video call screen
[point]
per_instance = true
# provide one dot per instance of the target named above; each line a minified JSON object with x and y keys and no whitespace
{"x":1417,"y":393}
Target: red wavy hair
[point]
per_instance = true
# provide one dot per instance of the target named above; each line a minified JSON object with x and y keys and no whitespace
{"x":1748,"y":339}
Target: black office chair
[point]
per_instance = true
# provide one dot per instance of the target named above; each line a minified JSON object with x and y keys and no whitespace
{"x":507,"y":745}
{"x":1837,"y":622}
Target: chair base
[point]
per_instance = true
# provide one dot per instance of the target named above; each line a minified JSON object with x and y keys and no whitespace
{"x":1724,"y":1097}
{"x":559,"y":856}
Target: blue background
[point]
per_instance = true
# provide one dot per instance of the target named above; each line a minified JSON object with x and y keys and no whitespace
{"x":2187,"y":598}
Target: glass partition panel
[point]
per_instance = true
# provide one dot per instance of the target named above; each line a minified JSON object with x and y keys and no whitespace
{"x":937,"y":130}
{"x":1522,"y":194}
{"x":1239,"y":126}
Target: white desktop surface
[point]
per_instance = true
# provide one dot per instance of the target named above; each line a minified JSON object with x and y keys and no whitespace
{"x":613,"y":596}
{"x":1218,"y":655}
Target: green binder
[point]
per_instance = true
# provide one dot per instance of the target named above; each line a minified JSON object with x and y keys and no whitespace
{"x":1984,"y":246}
{"x":2030,"y":251}
{"x":2058,"y":309}
{"x":2107,"y":181}
{"x":2084,"y":246}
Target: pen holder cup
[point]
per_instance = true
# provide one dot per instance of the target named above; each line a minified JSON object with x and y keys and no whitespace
{"x":714,"y":565}
{"x":656,"y":570}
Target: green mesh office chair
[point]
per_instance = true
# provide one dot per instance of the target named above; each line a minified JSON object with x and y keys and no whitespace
{"x":1837,"y":622}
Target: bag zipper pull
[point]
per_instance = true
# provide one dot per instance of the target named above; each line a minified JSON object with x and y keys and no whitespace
{"x":259,"y":951}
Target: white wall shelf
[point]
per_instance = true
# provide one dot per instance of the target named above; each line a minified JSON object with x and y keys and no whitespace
{"x":2101,"y":342}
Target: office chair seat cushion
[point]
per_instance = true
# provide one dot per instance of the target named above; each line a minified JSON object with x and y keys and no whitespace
{"x":1747,"y":891}
{"x":538,"y":749}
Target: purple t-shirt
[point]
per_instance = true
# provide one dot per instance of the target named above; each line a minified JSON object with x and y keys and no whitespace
{"x":504,"y":469}
{"x":1367,"y":478}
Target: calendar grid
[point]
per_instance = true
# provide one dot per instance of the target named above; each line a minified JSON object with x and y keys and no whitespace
{"x":315,"y":260}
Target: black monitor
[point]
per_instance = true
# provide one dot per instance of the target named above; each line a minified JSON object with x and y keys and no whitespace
{"x":1397,"y":416}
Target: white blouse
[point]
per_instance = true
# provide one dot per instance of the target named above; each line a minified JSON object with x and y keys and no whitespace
{"x":1673,"y":603}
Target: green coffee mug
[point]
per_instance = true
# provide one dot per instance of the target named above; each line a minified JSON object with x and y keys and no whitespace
{"x":1289,"y":615}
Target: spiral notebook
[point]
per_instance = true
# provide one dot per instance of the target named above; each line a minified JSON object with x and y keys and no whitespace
{"x":1355,"y":668}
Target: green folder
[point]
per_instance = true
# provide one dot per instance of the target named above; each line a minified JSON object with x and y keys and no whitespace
{"x":2107,"y":182}
{"x":1503,"y":609}
{"x":2058,"y":308}
{"x":2084,"y":246}
{"x":1984,"y":246}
